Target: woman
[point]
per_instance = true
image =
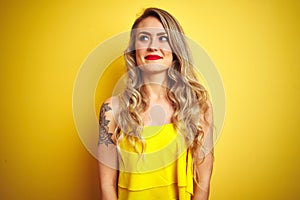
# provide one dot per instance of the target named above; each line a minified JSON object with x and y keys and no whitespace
{"x":155,"y":139}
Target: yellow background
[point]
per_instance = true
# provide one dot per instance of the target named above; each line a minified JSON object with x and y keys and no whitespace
{"x":254,"y":44}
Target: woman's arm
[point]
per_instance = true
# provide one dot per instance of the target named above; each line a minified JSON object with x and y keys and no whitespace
{"x":108,"y":182}
{"x":107,"y":153}
{"x":201,"y":191}
{"x":205,"y":167}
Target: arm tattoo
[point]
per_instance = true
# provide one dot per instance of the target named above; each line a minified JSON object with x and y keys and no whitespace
{"x":104,"y":136}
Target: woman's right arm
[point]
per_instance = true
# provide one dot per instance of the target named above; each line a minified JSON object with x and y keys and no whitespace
{"x":107,"y":153}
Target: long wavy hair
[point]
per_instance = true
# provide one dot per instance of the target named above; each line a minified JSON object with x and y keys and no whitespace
{"x":184,"y":91}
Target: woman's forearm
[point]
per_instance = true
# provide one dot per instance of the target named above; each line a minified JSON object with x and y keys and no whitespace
{"x":201,"y":190}
{"x":108,"y":192}
{"x":201,"y":193}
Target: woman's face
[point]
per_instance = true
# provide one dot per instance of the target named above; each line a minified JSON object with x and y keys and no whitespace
{"x":153,"y":51}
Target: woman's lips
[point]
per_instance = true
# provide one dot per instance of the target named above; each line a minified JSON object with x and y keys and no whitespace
{"x":152,"y":57}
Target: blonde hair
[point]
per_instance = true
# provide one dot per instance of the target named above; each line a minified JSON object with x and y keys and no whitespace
{"x":186,"y":94}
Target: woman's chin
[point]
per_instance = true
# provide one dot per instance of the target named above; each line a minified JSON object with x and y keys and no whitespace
{"x":153,"y":68}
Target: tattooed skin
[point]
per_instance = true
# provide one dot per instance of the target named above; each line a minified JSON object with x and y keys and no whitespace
{"x":104,"y":135}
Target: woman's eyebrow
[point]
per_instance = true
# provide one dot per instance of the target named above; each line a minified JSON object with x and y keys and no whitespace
{"x":148,"y":33}
{"x":161,"y":33}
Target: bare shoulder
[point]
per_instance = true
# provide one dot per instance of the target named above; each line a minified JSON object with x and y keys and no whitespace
{"x":206,"y":113}
{"x":209,"y":112}
{"x":112,"y":103}
{"x":110,"y":106}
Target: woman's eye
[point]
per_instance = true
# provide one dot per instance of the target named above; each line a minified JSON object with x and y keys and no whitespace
{"x":143,"y":38}
{"x":164,"y":38}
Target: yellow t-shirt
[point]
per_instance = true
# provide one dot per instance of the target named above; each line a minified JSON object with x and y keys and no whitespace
{"x":163,"y":171}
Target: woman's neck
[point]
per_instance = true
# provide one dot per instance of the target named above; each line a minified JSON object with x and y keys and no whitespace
{"x":156,"y":85}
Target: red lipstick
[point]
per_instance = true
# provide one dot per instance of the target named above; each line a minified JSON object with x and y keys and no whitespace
{"x":152,"y":57}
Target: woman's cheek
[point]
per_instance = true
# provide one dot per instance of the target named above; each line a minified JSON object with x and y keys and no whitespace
{"x":138,"y":58}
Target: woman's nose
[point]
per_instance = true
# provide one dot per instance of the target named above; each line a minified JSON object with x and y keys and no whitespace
{"x":153,"y":45}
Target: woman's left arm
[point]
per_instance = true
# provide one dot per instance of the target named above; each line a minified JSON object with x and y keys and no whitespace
{"x":205,"y":160}
{"x":201,"y":191}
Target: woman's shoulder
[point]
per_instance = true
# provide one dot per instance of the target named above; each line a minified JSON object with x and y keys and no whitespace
{"x":112,"y":100}
{"x":112,"y":103}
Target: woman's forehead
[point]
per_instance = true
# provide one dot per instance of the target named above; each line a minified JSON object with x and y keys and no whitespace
{"x":150,"y":22}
